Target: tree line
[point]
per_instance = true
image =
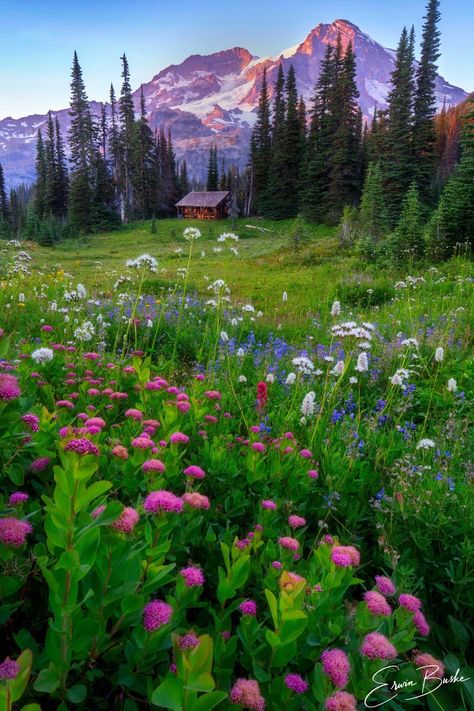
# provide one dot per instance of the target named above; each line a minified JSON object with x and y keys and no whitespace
{"x":383,"y":181}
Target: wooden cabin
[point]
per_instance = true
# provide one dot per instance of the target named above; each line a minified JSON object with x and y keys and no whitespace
{"x":212,"y":205}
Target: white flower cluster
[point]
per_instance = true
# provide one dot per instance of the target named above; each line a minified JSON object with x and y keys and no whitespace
{"x":145,"y":262}
{"x":348,"y":329}
{"x":362,"y":363}
{"x":191,"y":234}
{"x":303,"y":364}
{"x":400,"y":377}
{"x":219,"y":287}
{"x":42,"y":355}
{"x":425,"y":444}
{"x":14,"y":243}
{"x":225,"y":236}
{"x":308,"y":406}
{"x":85,"y":332}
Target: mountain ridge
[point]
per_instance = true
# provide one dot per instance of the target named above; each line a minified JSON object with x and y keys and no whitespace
{"x":212,"y":98}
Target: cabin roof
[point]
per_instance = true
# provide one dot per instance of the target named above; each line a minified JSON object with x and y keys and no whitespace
{"x":204,"y":199}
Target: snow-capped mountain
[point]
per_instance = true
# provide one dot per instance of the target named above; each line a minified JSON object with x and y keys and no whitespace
{"x":212,"y":98}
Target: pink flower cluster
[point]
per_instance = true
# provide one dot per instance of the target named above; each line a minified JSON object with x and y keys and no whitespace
{"x":246,"y":692}
{"x":377,"y":604}
{"x":248,"y":608}
{"x":195,"y":472}
{"x":345,"y":556}
{"x":376,"y":646}
{"x":9,"y":669}
{"x":291,"y":544}
{"x":13,"y":532}
{"x":82,"y":447}
{"x":196,"y":500}
{"x":127,"y":520}
{"x":162,"y":500}
{"x":296,"y":683}
{"x":156,"y":614}
{"x":337,"y":666}
{"x":341,"y":701}
{"x":193,"y":576}
{"x":9,"y":388}
{"x":385,"y":585}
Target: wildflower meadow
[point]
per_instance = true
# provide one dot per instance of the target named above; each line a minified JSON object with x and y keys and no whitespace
{"x":207,"y":504}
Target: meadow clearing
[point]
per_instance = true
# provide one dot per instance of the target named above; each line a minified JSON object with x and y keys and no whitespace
{"x":236,"y":473}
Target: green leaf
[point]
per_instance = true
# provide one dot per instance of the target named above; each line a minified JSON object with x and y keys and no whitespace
{"x":92,"y":492}
{"x":76,"y":694}
{"x":208,"y":701}
{"x":47,"y":680}
{"x":460,"y":633}
{"x":169,"y":694}
{"x":202,"y":682}
{"x":31,"y":707}
{"x":273,"y":605}
{"x":240,"y":572}
{"x":19,"y":684}
{"x":292,"y":626}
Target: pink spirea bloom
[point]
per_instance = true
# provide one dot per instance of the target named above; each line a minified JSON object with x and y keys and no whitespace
{"x":248,"y":608}
{"x":436,"y":668}
{"x":179,"y":438}
{"x":31,"y":421}
{"x":39,"y":464}
{"x":296,"y":521}
{"x":377,"y":646}
{"x":196,"y":500}
{"x":420,"y":623}
{"x":127,"y":520}
{"x":296,"y":683}
{"x":142,"y":442}
{"x":162,"y":500}
{"x":82,"y":447}
{"x":17,"y":498}
{"x":9,"y":388}
{"x":268,"y":504}
{"x":46,"y":328}
{"x":213,"y":394}
{"x":65,"y":403}
{"x":341,"y":701}
{"x":120,"y":451}
{"x":337,"y":666}
{"x":195,"y":472}
{"x":258,"y":447}
{"x":156,"y":614}
{"x":313,"y":474}
{"x":410,"y":602}
{"x":13,"y":532}
{"x":183,"y":406}
{"x":277,"y":565}
{"x":9,"y":669}
{"x":153,"y":465}
{"x":345,"y":556}
{"x":212,"y":419}
{"x":246,"y":692}
{"x":193,"y":576}
{"x":134,"y":414}
{"x":306,"y":454}
{"x":377,"y":604}
{"x":291,"y":544}
{"x":95,"y":422}
{"x":188,"y":641}
{"x":385,"y":585}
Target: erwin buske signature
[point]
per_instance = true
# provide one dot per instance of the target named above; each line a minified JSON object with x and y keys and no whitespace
{"x":429,"y":673}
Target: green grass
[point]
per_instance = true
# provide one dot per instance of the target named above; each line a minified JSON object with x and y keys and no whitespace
{"x":267,"y":264}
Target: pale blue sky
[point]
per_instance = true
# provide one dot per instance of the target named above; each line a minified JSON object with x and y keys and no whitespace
{"x":37,"y":39}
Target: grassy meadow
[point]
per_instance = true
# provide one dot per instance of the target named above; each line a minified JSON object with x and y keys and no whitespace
{"x":235,"y":473}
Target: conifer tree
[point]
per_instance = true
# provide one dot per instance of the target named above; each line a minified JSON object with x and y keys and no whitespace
{"x":424,"y":136}
{"x":407,"y":242}
{"x":114,"y":141}
{"x":212,"y":181}
{"x":261,"y":147}
{"x":275,"y":195}
{"x":344,"y":160}
{"x":373,"y":223}
{"x":143,"y":174}
{"x":183,"y":179}
{"x":62,"y":178}
{"x":127,"y":129}
{"x":293,"y":149}
{"x":50,"y":207}
{"x":397,"y":157}
{"x":40,"y":185}
{"x":4,"y":211}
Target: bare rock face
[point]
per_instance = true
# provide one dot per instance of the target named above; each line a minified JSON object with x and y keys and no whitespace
{"x":213,"y":98}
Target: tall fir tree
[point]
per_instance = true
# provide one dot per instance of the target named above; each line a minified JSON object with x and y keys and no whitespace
{"x":40,"y":184}
{"x":51,"y":207}
{"x":424,"y":135}
{"x":407,"y":242}
{"x":261,"y":148}
{"x":293,"y":149}
{"x":344,"y":160}
{"x":114,"y":142}
{"x":62,"y":177}
{"x":183,"y":179}
{"x":127,"y":130}
{"x":81,"y":143}
{"x":373,"y":224}
{"x":397,"y":158}
{"x":143,"y":176}
{"x":275,"y":195}
{"x":4,"y":211}
{"x":212,"y":182}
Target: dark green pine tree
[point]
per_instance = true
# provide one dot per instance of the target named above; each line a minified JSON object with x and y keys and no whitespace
{"x":51,"y":171}
{"x":261,"y":148}
{"x":407,"y":243}
{"x":114,"y":141}
{"x":319,"y":143}
{"x":344,"y":159}
{"x":424,"y":134}
{"x":143,"y":174}
{"x":373,"y":223}
{"x":452,"y":225}
{"x":62,"y":178}
{"x":40,"y":184}
{"x":212,"y":181}
{"x":127,"y":131}
{"x":81,"y":143}
{"x":183,"y":179}
{"x":397,"y":158}
{"x":293,"y":149}
{"x":104,"y":216}
{"x":222,"y":177}
{"x":4,"y":211}
{"x":275,"y":195}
